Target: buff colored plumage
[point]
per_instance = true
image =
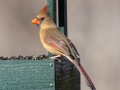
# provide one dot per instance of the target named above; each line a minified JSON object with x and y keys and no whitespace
{"x":57,"y":43}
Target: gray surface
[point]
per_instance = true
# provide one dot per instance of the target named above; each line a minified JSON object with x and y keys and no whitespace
{"x":93,"y":26}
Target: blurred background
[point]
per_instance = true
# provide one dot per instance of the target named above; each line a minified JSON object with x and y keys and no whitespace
{"x":93,"y":27}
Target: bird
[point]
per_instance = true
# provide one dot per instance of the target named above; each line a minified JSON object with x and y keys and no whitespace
{"x":54,"y":41}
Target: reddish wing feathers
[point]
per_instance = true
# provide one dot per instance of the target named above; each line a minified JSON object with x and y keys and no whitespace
{"x":57,"y":44}
{"x":54,"y":46}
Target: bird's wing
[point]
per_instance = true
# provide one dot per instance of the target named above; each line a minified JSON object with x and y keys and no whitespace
{"x":74,"y":49}
{"x":61,"y":46}
{"x":57,"y":44}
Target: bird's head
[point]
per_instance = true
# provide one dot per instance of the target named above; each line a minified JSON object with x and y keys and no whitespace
{"x":43,"y":19}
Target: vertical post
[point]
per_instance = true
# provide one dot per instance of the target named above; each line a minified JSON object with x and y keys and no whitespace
{"x":58,"y":11}
{"x":67,"y":76}
{"x":52,"y":10}
{"x":62,"y":15}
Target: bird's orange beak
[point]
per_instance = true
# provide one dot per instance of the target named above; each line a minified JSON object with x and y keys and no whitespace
{"x":36,"y":21}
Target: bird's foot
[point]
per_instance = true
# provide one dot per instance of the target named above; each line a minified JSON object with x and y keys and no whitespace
{"x":56,"y":58}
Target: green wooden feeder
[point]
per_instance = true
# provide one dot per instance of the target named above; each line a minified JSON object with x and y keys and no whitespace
{"x":42,"y":74}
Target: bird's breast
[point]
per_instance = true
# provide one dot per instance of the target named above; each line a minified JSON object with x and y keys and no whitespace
{"x":44,"y":34}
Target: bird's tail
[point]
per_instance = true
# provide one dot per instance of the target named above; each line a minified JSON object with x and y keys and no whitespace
{"x":79,"y":67}
{"x":88,"y":80}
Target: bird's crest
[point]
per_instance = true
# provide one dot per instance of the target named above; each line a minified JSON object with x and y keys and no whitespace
{"x":44,"y":10}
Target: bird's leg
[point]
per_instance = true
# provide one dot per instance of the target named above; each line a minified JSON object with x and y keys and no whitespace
{"x":55,"y":58}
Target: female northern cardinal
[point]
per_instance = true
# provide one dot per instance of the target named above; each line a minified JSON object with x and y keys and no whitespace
{"x":57,"y":43}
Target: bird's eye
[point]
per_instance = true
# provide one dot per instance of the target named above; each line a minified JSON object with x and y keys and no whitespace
{"x":42,"y":18}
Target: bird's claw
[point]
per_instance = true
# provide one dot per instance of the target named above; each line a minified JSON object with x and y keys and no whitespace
{"x":55,"y":58}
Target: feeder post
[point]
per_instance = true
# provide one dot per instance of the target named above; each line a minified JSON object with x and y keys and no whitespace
{"x":52,"y":11}
{"x":67,"y":76}
{"x":62,"y":15}
{"x":58,"y":12}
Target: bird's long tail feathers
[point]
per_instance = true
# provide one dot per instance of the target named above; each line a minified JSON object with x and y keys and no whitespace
{"x":88,"y":80}
{"x":80,"y":68}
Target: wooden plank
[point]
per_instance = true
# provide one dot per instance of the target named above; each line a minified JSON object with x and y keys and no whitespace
{"x":27,"y":75}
